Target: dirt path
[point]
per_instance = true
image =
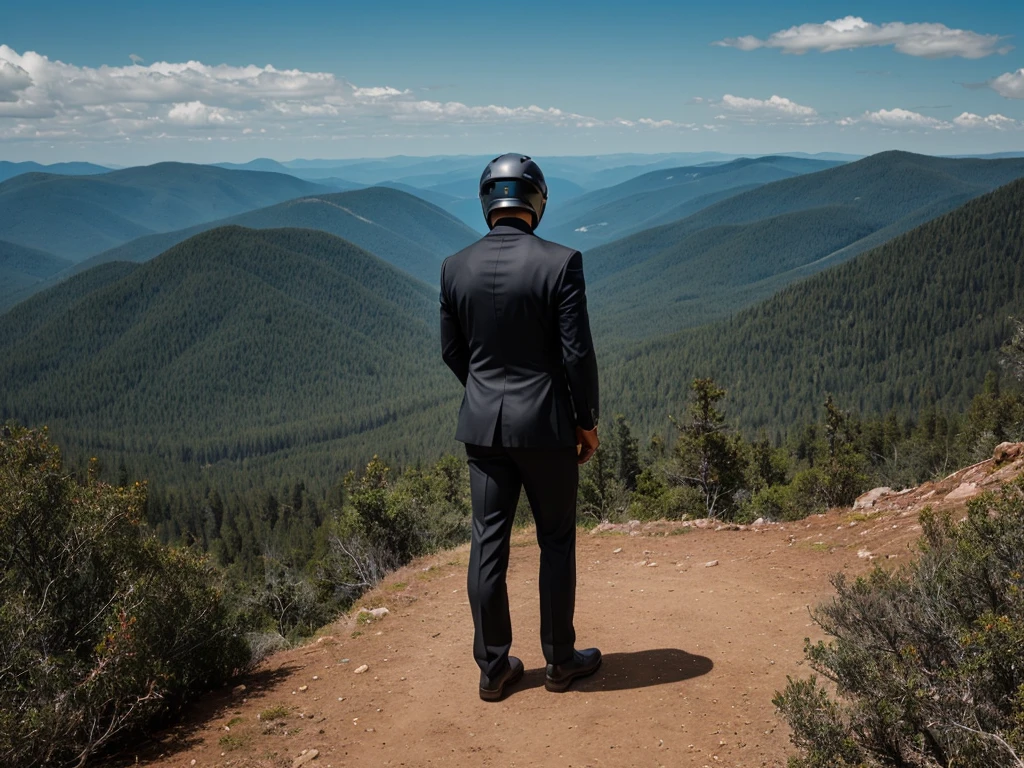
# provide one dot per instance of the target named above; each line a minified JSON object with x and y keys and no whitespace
{"x":693,"y":656}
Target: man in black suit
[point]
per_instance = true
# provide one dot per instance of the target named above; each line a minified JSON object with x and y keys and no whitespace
{"x":515,"y":331}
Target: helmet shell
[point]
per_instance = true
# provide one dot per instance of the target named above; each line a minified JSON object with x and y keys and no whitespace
{"x":513,"y":181}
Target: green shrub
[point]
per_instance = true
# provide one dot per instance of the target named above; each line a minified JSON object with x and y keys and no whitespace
{"x":772,"y":503}
{"x":927,"y":661}
{"x":103,"y":631}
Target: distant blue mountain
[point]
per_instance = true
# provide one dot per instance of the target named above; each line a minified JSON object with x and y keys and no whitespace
{"x":324,"y":176}
{"x":663,"y":196}
{"x":9,"y":170}
{"x":77,"y":216}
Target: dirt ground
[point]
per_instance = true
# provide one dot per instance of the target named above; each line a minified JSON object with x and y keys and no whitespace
{"x":693,"y":654}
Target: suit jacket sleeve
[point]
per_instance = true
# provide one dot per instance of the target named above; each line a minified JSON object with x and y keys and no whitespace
{"x":578,"y":356}
{"x":454,"y":349}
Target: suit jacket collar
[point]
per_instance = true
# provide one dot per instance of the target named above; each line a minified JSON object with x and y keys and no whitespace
{"x":511,"y":226}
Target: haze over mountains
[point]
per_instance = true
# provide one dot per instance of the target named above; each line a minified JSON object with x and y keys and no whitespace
{"x":400,"y":228}
{"x":75,"y":217}
{"x":9,"y":170}
{"x":662,"y":196}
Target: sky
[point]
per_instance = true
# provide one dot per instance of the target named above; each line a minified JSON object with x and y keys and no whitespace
{"x":128,"y":83}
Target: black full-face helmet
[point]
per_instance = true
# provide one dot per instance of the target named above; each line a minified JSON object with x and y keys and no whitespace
{"x":513,"y":181}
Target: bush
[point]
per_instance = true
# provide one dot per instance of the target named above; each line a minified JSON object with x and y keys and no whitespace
{"x":772,"y":503}
{"x":928,"y":661}
{"x":103,"y":631}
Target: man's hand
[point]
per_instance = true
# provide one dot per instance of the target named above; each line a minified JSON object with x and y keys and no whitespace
{"x":586,"y":444}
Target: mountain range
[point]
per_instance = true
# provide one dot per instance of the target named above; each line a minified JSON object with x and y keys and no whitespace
{"x":744,"y":248}
{"x":400,"y":228}
{"x":662,"y":196}
{"x":257,"y":340}
{"x":75,"y":217}
{"x":9,"y":170}
{"x":916,"y":321}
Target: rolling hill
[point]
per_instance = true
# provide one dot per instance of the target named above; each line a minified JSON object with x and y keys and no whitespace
{"x":920,"y":319}
{"x":745,"y":248}
{"x":400,"y":228}
{"x":23,"y":268}
{"x":77,"y":216}
{"x":662,"y":196}
{"x":9,"y":170}
{"x":234,"y":345}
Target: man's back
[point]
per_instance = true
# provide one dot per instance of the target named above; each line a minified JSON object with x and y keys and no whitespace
{"x":516,"y":332}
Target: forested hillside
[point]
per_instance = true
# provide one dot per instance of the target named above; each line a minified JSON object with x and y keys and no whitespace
{"x":22,"y":268}
{"x":77,"y":216}
{"x":235,"y":346}
{"x":400,"y":228}
{"x":917,"y":321}
{"x":747,"y":247}
{"x":662,"y":196}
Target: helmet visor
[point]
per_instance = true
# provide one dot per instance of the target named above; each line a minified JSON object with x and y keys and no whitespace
{"x":509,"y":189}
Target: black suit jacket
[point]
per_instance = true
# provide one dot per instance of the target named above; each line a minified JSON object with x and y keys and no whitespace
{"x":515,"y":331}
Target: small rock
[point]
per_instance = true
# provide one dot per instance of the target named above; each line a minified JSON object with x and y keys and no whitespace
{"x":963,"y":491}
{"x":865,"y":554}
{"x":303,"y":688}
{"x":307,"y":756}
{"x":867,"y":500}
{"x":1005,"y":452}
{"x":238,"y":690}
{"x":343,"y":661}
{"x":616,"y":551}
{"x":316,"y":677}
{"x":363,"y":668}
{"x":759,"y":521}
{"x":377,"y":613}
{"x":652,"y":565}
{"x":710,"y":563}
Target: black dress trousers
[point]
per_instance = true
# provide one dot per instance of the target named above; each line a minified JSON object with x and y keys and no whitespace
{"x":550,"y":477}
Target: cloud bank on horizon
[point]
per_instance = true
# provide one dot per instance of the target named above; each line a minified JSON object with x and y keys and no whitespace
{"x":45,"y":100}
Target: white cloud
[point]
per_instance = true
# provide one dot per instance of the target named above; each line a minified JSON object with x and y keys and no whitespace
{"x":197,"y":113}
{"x":54,"y":99}
{"x":999,"y":122}
{"x":136,"y":59}
{"x":929,"y":40}
{"x":13,"y":79}
{"x":1010,"y":85}
{"x":899,"y":119}
{"x":904,"y":119}
{"x":775,"y":105}
{"x":776,"y":109}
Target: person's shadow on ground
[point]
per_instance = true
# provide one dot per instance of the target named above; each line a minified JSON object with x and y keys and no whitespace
{"x":637,"y":669}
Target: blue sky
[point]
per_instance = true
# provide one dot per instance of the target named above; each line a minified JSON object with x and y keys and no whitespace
{"x":383,"y":78}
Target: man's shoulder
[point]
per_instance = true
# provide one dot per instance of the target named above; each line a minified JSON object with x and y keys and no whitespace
{"x":555,"y":249}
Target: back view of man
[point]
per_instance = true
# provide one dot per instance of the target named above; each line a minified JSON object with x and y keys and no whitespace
{"x":515,"y":331}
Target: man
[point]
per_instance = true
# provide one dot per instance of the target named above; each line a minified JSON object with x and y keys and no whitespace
{"x":515,"y":331}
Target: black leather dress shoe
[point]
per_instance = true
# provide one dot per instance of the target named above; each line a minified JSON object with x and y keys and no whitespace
{"x":494,"y":689}
{"x":560,"y":676}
